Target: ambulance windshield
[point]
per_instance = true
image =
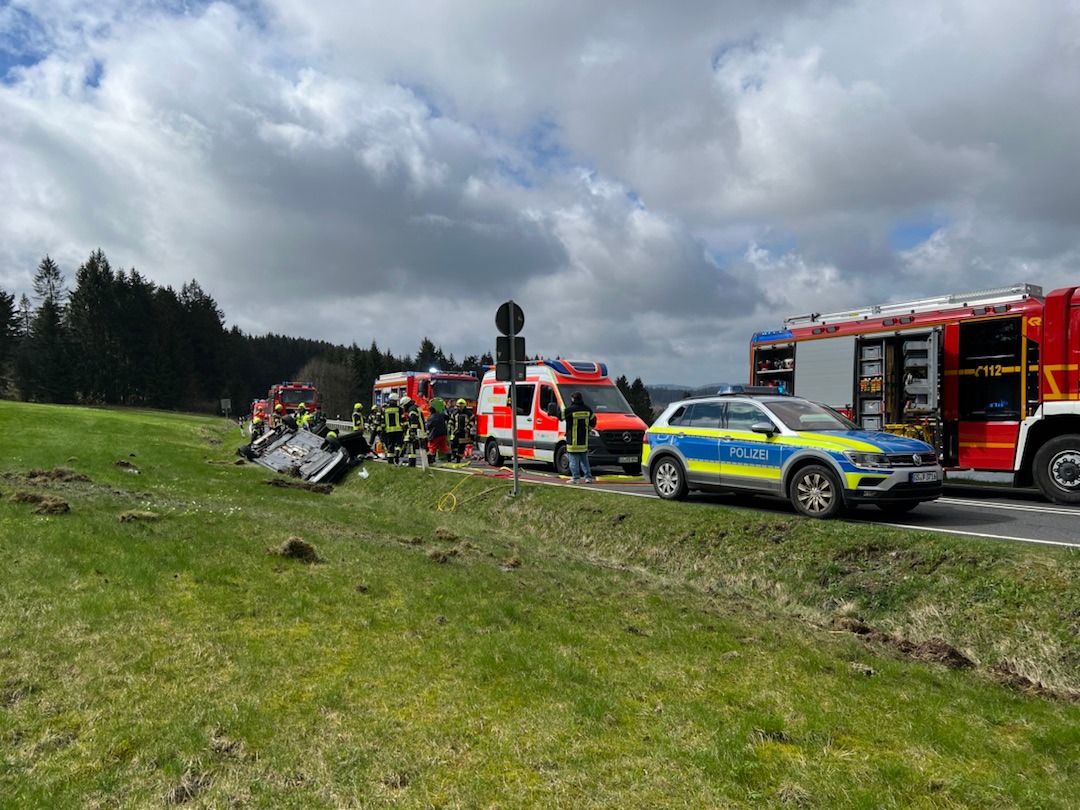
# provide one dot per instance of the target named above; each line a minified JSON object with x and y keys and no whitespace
{"x":599,"y":398}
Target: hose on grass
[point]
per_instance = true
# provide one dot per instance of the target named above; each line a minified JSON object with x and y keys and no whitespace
{"x":448,"y":501}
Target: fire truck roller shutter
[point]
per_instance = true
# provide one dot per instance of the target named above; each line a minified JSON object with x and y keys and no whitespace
{"x":825,"y":370}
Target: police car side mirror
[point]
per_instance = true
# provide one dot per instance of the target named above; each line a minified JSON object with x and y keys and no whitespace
{"x":768,"y":428}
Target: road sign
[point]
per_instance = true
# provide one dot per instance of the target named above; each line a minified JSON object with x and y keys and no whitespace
{"x":509,"y":318}
{"x":502,"y":372}
{"x":502,"y":349}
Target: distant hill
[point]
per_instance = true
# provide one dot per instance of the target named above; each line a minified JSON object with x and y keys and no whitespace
{"x":662,"y":395}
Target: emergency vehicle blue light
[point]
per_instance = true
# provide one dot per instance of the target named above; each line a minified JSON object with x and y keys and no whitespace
{"x":775,"y":334}
{"x":739,"y":388}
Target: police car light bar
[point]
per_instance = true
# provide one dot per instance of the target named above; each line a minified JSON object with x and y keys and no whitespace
{"x":737,"y":388}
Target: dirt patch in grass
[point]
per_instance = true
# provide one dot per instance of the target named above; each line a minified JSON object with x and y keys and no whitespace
{"x":932,"y":651}
{"x":128,"y":467}
{"x":1004,"y":673}
{"x":296,"y":548}
{"x":134,"y":514}
{"x":46,"y":504}
{"x":190,"y":786}
{"x":63,"y":474}
{"x":322,"y":489}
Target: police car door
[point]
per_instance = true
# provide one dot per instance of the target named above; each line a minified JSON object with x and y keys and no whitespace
{"x":748,"y":459}
{"x":698,"y":440}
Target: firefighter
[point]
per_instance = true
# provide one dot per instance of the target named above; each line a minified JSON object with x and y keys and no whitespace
{"x":462,"y":428}
{"x":279,"y":414}
{"x":358,"y":420}
{"x":374,"y":425}
{"x":258,"y":427}
{"x":580,"y":420}
{"x":415,"y":435}
{"x":437,"y":445}
{"x":392,"y":430}
{"x":302,"y":416}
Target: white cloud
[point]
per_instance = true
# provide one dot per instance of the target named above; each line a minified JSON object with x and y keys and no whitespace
{"x":651,"y":186}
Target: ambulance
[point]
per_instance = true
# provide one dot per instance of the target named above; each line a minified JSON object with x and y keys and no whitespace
{"x":541,"y":434}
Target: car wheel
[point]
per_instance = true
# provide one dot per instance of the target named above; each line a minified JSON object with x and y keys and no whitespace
{"x":562,"y":460}
{"x":632,"y":469}
{"x":897,"y":507}
{"x":491,"y":453}
{"x":668,"y":479}
{"x":1057,"y":469}
{"x":816,"y":493}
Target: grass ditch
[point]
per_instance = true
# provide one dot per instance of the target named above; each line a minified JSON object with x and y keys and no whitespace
{"x":254,"y":646}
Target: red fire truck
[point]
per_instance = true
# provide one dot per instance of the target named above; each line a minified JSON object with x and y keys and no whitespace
{"x":990,"y":377}
{"x":289,"y":395}
{"x":423,"y":386}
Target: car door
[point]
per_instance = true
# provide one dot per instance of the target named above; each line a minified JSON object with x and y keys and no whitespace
{"x":697,"y":437}
{"x":546,"y":425}
{"x":748,"y":460}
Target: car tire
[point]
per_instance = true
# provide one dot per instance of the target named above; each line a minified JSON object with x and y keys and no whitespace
{"x":632,"y":469}
{"x":669,"y":479}
{"x":815,"y":492}
{"x":562,"y":460}
{"x":897,"y":507}
{"x":491,"y":453}
{"x":1057,"y":469}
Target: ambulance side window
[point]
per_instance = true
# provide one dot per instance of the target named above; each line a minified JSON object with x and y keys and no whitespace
{"x":547,"y":397}
{"x":524,"y":396}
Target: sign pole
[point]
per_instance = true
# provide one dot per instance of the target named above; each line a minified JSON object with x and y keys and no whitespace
{"x":513,"y":402}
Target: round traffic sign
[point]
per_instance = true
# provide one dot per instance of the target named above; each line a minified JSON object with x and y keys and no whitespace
{"x":509,"y":319}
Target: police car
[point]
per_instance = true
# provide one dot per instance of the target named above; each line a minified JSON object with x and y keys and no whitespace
{"x":756,"y":440}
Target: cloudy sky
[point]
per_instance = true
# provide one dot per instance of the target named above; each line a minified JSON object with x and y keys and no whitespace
{"x":651,"y":182}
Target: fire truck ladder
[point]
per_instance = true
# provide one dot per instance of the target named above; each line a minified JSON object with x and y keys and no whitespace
{"x":988,"y":297}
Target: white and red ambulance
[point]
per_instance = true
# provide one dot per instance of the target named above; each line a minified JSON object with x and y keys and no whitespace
{"x":541,"y":433}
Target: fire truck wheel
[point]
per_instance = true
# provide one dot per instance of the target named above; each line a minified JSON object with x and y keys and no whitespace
{"x":816,"y":493}
{"x":668,"y":479}
{"x":1057,"y":469}
{"x":491,"y":453}
{"x":562,"y":460}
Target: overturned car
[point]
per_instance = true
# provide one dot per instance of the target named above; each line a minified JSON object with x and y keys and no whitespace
{"x":305,"y":454}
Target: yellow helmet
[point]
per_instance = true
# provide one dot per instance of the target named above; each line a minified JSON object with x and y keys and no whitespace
{"x":462,"y":403}
{"x":357,"y":407}
{"x":278,"y":407}
{"x":301,"y":407}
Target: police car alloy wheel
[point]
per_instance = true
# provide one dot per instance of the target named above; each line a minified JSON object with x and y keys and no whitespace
{"x":668,"y":479}
{"x":815,"y":492}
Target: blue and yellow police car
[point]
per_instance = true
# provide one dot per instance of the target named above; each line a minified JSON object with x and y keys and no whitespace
{"x":755,"y":440}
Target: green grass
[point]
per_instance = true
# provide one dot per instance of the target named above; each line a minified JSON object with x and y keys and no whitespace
{"x":558,"y":649}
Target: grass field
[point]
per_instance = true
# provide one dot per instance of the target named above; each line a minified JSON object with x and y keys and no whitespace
{"x":163,"y":644}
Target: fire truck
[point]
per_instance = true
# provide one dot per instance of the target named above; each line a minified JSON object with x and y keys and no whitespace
{"x":423,"y":386}
{"x":289,"y":395}
{"x":989,"y":377}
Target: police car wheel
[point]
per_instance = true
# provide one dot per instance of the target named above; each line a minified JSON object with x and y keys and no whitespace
{"x":669,"y":480}
{"x":815,"y":493}
{"x":491,"y":453}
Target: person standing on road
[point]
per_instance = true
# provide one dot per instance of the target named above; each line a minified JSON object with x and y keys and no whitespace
{"x":436,"y":433}
{"x":579,"y":421}
{"x":415,"y":437}
{"x":358,"y":416}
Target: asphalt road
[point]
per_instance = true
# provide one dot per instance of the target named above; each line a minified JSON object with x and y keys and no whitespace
{"x":994,"y":512}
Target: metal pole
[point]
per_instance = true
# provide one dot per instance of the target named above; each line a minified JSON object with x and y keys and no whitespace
{"x":513,"y":398}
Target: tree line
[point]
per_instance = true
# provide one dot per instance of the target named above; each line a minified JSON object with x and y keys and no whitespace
{"x":117,"y":338}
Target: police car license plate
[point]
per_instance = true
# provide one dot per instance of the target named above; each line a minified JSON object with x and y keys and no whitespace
{"x":924,"y":477}
{"x":628,"y":459}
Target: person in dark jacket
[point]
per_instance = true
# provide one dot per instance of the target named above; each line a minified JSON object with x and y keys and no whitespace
{"x":579,"y":421}
{"x":436,"y":436}
{"x":462,"y":426}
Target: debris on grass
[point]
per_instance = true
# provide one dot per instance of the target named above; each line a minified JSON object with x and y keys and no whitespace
{"x":135,"y":514}
{"x":296,"y":548}
{"x":322,"y":489}
{"x":1004,"y":672}
{"x":442,"y":555}
{"x":446,"y":535}
{"x":128,"y":467}
{"x":56,"y":474}
{"x":51,"y":505}
{"x":190,"y":785}
{"x":22,"y":496}
{"x":933,"y":651}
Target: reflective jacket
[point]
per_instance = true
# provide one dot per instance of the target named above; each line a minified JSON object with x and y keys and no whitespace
{"x":391,"y":419}
{"x":462,"y":425}
{"x":579,"y":421}
{"x":414,"y":422}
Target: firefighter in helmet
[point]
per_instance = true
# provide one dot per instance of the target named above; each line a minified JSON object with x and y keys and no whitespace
{"x":462,"y":428}
{"x":415,"y":435}
{"x":392,"y":429}
{"x":358,"y":416}
{"x":302,"y":416}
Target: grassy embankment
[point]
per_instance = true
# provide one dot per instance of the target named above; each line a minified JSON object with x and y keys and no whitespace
{"x":560,"y":649}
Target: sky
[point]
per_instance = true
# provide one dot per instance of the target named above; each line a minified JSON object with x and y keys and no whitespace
{"x":650,"y":182}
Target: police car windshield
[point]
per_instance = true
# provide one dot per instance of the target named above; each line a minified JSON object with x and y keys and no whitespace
{"x":599,"y":398}
{"x":799,"y":414}
{"x":453,"y":390}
